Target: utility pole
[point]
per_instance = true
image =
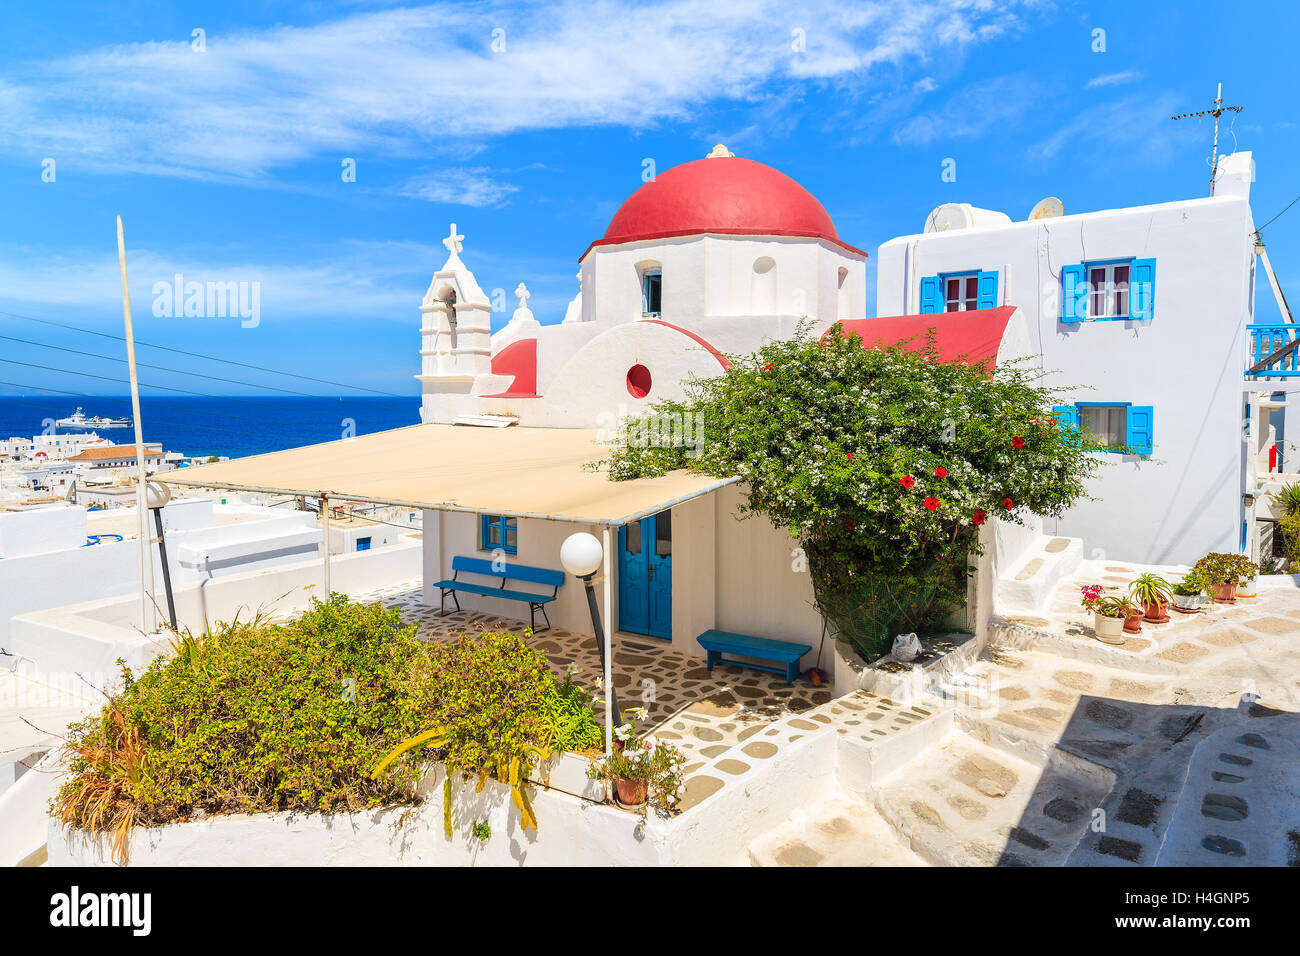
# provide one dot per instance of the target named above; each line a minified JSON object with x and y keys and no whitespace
{"x":1219,"y":110}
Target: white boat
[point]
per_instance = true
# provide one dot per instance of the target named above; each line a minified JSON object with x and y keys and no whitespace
{"x":78,"y":421}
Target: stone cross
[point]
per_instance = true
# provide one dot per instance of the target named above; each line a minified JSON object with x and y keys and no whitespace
{"x":522,"y":293}
{"x":453,"y":241}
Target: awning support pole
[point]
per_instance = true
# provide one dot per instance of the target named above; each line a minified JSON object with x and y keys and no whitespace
{"x":325,"y":543}
{"x":609,"y":646}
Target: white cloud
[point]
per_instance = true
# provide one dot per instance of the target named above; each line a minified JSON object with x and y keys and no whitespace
{"x":398,"y":83}
{"x":1114,"y":79}
{"x":465,"y":187}
{"x":971,"y":112}
{"x":1136,"y":127}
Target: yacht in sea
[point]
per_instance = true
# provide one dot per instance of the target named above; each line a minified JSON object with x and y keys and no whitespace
{"x":78,"y":421}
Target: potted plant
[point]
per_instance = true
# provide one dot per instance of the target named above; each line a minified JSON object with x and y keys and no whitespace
{"x":1153,"y":593}
{"x":643,"y":771}
{"x":1186,"y":594}
{"x":1108,"y":621}
{"x":1221,"y":574}
{"x":1107,"y":618}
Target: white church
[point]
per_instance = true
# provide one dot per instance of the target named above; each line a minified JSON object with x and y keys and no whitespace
{"x":1140,"y":313}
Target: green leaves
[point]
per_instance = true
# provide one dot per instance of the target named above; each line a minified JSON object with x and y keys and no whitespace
{"x":971,"y":438}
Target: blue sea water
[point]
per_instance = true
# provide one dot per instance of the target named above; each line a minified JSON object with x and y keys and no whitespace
{"x":230,"y":426}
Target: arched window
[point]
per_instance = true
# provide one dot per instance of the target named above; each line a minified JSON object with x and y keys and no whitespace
{"x":651,"y":277}
{"x":762,"y":287}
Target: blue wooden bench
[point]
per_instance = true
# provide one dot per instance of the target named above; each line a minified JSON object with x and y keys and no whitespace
{"x":718,"y":643}
{"x":513,"y":572}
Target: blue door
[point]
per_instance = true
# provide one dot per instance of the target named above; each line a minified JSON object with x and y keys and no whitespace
{"x":645,"y":576}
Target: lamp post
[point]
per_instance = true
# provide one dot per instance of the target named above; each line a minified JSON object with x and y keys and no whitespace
{"x":156,"y":495}
{"x":581,"y":555}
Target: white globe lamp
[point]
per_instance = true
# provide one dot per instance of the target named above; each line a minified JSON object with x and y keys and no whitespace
{"x":581,"y":554}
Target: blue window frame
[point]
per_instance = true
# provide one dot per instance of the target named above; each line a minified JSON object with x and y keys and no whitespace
{"x":1120,"y":427}
{"x":1109,"y":290}
{"x":959,"y":292}
{"x":498,"y":532}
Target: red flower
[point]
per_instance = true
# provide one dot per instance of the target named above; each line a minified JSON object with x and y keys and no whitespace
{"x":767,"y":367}
{"x":941,"y":472}
{"x":931,"y":503}
{"x":979,"y":516}
{"x":1008,"y":503}
{"x":907,"y":481}
{"x":848,"y":454}
{"x":1052,"y":422}
{"x":1017,"y":442}
{"x":850,"y":525}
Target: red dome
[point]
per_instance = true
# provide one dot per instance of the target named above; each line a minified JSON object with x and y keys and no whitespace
{"x":724,"y":195}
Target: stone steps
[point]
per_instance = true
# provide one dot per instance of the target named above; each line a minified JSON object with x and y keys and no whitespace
{"x":964,"y":803}
{"x":1030,"y":583}
{"x":835,"y":832}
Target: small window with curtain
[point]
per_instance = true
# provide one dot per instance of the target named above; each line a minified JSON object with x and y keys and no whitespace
{"x":1108,"y":290}
{"x":498,"y":533}
{"x":1104,"y":425}
{"x":961,"y":292}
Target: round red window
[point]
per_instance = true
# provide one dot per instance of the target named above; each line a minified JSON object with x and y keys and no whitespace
{"x":638,"y":381}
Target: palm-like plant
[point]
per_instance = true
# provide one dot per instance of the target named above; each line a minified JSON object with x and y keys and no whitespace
{"x":1150,"y":589}
{"x":1287,"y":500}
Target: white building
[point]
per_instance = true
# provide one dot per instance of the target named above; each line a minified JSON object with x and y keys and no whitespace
{"x":1141,"y":315}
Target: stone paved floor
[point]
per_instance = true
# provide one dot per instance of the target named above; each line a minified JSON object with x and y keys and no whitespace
{"x":702,"y":714}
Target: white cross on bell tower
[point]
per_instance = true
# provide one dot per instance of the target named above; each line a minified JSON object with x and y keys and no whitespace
{"x":522,"y":293}
{"x":453,"y":242}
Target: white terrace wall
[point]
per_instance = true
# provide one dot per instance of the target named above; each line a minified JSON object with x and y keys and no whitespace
{"x":1185,"y":362}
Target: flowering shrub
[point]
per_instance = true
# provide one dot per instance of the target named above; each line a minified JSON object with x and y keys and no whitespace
{"x":1219,"y":569}
{"x":882,"y":462}
{"x":635,"y":758}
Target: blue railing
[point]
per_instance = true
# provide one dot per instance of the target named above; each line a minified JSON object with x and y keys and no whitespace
{"x":1274,"y":350}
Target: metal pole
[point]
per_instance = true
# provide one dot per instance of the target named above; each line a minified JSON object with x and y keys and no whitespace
{"x":167,"y":574}
{"x":611,"y":697}
{"x":1214,"y":162}
{"x":148,"y":621}
{"x":607,"y":655}
{"x":325,"y":521}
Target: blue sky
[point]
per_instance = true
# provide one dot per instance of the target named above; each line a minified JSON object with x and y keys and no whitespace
{"x":226,"y":162}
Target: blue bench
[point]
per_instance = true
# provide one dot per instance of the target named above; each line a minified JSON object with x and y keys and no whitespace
{"x":513,"y":572}
{"x":718,"y":643}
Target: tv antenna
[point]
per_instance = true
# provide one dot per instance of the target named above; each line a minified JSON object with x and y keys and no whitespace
{"x":1219,"y":110}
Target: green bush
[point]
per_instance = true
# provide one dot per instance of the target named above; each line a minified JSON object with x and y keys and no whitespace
{"x":256,"y":717}
{"x":882,"y":462}
{"x":1289,"y":526}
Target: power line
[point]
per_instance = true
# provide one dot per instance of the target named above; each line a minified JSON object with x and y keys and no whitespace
{"x":1279,"y":215}
{"x":199,"y":355}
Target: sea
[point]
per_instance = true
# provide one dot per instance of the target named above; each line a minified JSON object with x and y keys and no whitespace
{"x":231,"y":426}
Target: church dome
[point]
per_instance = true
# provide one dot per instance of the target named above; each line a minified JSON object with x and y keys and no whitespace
{"x":721,"y":194}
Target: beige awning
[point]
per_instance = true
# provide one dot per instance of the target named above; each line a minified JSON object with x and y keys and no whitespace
{"x":523,"y":472}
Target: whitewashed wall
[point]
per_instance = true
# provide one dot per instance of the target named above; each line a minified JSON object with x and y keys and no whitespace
{"x":1186,"y":362}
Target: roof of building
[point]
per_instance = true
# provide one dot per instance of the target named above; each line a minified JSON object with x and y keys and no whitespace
{"x":721,"y":195}
{"x":114,"y":452}
{"x":973,"y":336}
{"x":517,"y":471}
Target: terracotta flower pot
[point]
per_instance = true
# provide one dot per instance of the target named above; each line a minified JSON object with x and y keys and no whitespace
{"x":1133,"y":622}
{"x":1225,"y":593}
{"x":1154,"y":612}
{"x":631,"y":793}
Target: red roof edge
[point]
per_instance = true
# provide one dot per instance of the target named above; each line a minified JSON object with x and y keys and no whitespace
{"x":974,"y":336}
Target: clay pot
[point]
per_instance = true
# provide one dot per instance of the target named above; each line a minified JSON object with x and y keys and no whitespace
{"x":1155,"y":612}
{"x":1224,"y":593}
{"x":631,"y":793}
{"x":1133,"y":623}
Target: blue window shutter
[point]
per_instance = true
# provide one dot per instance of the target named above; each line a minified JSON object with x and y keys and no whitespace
{"x":1142,"y":290}
{"x":931,"y":298}
{"x":988,"y":291}
{"x":1067,"y":418}
{"x":1074,"y":294}
{"x":1141,"y":429}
